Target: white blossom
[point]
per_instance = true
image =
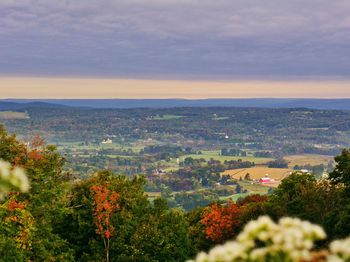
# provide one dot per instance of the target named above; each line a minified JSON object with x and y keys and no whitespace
{"x":12,"y":179}
{"x":291,"y":239}
{"x":340,"y":250}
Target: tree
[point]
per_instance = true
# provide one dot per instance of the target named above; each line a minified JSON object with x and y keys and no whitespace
{"x":161,"y":235}
{"x":17,"y":228}
{"x":301,"y":195}
{"x":251,"y":207}
{"x":341,"y":173}
{"x":295,"y":196}
{"x":221,"y":222}
{"x":11,"y":149}
{"x":105,"y":205}
{"x":278,"y":163}
{"x":141,"y":231}
{"x":198,"y":239}
{"x":46,"y":199}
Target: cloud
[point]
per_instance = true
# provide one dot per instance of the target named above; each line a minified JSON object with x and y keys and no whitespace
{"x":190,"y":38}
{"x":170,"y":17}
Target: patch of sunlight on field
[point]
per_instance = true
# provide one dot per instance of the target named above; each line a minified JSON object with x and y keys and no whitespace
{"x":307,"y":159}
{"x":153,"y":194}
{"x":166,"y":117}
{"x":258,"y":172}
{"x":9,"y":115}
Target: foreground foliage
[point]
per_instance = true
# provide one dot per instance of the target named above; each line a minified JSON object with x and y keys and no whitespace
{"x":289,"y":240}
{"x":108,"y":217}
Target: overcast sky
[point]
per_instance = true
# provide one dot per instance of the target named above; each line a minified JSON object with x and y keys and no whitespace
{"x":176,"y":39}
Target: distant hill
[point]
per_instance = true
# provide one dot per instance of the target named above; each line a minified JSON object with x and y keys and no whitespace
{"x":337,"y":104}
{"x":6,"y":105}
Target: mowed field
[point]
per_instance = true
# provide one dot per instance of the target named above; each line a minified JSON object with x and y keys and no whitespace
{"x":307,"y":159}
{"x":258,"y":172}
{"x":13,"y":115}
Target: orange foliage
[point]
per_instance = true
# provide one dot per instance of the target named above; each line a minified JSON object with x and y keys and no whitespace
{"x":105,"y":205}
{"x":19,"y":159}
{"x":21,"y":218}
{"x":13,"y":204}
{"x":221,"y":222}
{"x":36,"y":154}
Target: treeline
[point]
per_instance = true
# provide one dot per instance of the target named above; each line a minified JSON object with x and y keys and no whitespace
{"x":278,"y":163}
{"x":166,"y":151}
{"x":284,"y":131}
{"x":108,"y":217}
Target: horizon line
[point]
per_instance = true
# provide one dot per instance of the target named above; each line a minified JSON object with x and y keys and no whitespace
{"x":187,"y":99}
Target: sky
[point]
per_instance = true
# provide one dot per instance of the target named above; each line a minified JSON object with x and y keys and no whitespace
{"x":216,"y":44}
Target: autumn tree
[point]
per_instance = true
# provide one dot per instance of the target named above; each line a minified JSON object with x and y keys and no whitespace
{"x":142,"y":231}
{"x":16,"y":225}
{"x":221,"y":221}
{"x":46,"y":200}
{"x":105,"y":205}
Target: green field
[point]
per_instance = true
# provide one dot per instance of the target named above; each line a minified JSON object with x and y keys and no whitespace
{"x":254,"y":188}
{"x":166,"y":117}
{"x":220,"y":118}
{"x":234,"y":197}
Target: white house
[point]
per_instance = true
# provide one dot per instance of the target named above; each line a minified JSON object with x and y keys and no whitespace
{"x":107,"y":141}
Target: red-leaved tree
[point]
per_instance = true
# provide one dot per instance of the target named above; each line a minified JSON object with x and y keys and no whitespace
{"x":221,"y":222}
{"x":105,"y":205}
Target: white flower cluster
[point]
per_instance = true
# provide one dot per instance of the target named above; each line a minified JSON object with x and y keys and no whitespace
{"x":263,"y":240}
{"x":12,"y":179}
{"x":340,"y":251}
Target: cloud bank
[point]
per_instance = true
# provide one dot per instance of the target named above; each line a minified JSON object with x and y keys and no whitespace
{"x":191,"y":39}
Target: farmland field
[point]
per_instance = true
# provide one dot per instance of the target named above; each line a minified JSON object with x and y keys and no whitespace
{"x":259,"y":172}
{"x":166,"y":117}
{"x":13,"y":115}
{"x":254,"y":188}
{"x":307,"y":159}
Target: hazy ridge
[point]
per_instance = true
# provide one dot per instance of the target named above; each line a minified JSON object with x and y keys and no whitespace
{"x":336,"y":104}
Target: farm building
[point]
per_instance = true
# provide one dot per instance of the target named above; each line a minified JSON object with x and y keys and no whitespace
{"x":107,"y":141}
{"x":265,"y":179}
